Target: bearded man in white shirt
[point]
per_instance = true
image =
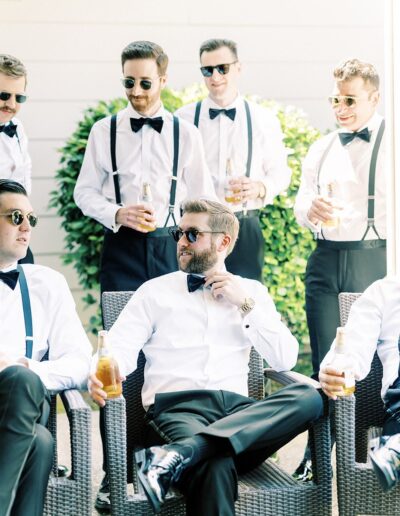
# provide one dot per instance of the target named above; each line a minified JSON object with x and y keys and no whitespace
{"x":37,"y":317}
{"x":246,"y":137}
{"x":15,"y":162}
{"x":342,"y":200}
{"x":196,"y":328}
{"x":374,"y":325}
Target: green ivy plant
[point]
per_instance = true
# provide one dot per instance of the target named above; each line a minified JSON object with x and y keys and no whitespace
{"x":287,"y":244}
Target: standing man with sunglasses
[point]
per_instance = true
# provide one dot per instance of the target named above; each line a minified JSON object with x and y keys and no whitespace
{"x":37,"y":317}
{"x":243,"y":139}
{"x":342,"y":200}
{"x":15,"y":162}
{"x":143,"y":144}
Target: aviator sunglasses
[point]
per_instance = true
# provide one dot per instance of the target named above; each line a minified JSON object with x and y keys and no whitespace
{"x":222,"y":69}
{"x":17,"y":218}
{"x":191,"y":234}
{"x":129,"y":83}
{"x":19,"y":97}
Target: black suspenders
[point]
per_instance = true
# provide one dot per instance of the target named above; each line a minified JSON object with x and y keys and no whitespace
{"x":249,"y":132}
{"x":26,"y":306}
{"x":172,"y":194}
{"x":371,"y":178}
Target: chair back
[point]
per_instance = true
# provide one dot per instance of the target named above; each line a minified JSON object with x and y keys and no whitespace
{"x":369,"y":409}
{"x":112,"y":304}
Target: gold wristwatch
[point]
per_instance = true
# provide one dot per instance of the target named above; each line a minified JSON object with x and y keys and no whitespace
{"x":247,"y":306}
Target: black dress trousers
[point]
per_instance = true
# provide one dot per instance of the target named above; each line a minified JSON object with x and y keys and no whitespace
{"x":252,"y":430}
{"x":26,"y":446}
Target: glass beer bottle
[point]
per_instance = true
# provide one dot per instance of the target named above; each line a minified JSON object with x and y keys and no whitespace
{"x":107,"y":370}
{"x":229,"y":193}
{"x":148,"y":199}
{"x":330,"y":194}
{"x":342,"y":362}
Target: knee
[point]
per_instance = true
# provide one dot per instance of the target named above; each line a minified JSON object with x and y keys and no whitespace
{"x":23,"y":384}
{"x":43,"y":445}
{"x":309,"y":401}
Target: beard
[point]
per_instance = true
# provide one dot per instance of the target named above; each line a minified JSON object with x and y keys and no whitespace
{"x":201,"y":261}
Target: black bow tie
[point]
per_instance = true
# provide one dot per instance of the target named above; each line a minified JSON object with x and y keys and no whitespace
{"x":194,"y":282}
{"x":10,"y":278}
{"x":346,"y":138}
{"x":230,"y":113}
{"x":10,"y":129}
{"x":156,"y":123}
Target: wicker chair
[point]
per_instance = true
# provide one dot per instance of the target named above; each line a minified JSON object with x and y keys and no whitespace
{"x":357,"y":419}
{"x":71,"y":496}
{"x":268,"y":490}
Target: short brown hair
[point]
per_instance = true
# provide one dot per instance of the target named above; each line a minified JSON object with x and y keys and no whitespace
{"x":352,"y":68}
{"x":146,"y":50}
{"x":11,"y":66}
{"x":220,"y":217}
{"x":214,"y":44}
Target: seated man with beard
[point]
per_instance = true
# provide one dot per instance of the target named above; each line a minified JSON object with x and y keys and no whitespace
{"x":196,"y":328}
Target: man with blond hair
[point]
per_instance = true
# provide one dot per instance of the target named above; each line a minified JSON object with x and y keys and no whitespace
{"x":342,"y":200}
{"x":196,"y":328}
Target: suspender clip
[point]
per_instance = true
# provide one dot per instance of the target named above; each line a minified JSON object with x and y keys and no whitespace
{"x":174,"y":178}
{"x":29,"y":338}
{"x":371,"y":197}
{"x":171,"y":209}
{"x":370,"y":221}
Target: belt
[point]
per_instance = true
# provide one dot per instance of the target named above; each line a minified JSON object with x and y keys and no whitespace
{"x":158,"y":232}
{"x":250,"y":213}
{"x":351,"y":245}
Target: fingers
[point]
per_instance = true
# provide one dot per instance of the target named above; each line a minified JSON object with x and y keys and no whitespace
{"x":331,"y":381}
{"x":96,"y":392}
{"x":245,"y":188}
{"x":139,"y":217}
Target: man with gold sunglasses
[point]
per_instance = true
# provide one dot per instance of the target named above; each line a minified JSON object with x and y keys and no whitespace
{"x":37,"y":318}
{"x":342,"y":200}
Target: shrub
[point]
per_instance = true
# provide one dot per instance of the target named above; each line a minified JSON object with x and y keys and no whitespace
{"x":287,"y":244}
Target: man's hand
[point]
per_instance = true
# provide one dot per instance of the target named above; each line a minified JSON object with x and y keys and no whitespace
{"x":137,"y":217}
{"x":246,"y":189}
{"x":226,"y":286}
{"x":331,"y":381}
{"x":321,"y":210}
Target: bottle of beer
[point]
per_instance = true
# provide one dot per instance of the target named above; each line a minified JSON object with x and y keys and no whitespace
{"x":342,"y":362}
{"x":330,"y":194}
{"x":228,"y":190}
{"x":148,"y":199}
{"x":107,"y":368}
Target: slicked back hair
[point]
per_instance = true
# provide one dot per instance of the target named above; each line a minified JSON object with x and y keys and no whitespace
{"x":352,"y":68}
{"x":214,"y":44}
{"x":220,"y":217}
{"x":146,"y":50}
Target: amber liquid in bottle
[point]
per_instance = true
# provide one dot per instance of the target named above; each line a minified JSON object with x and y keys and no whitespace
{"x":230,"y":194}
{"x":147,"y":198}
{"x":334,"y":221}
{"x":107,"y":370}
{"x":341,"y":362}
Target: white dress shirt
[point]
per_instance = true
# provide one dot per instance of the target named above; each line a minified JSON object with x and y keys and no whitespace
{"x":15,"y":162}
{"x":145,"y":156}
{"x":193,"y":341}
{"x":374,"y":324}
{"x":348,"y":167}
{"x":224,"y":138}
{"x":56,"y":327}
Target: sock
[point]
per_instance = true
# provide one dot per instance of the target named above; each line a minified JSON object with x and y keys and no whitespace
{"x":199,"y":447}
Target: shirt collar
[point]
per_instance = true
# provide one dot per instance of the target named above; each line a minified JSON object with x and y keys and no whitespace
{"x":235,"y":104}
{"x":132,"y":113}
{"x":11,"y":267}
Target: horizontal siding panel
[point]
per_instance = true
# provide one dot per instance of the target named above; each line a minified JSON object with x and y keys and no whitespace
{"x":40,"y":196}
{"x":48,"y":236}
{"x":104,"y":43}
{"x":45,"y":156}
{"x":55,"y":262}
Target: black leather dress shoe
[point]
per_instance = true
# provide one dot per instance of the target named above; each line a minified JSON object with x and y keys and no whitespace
{"x":161,"y":467}
{"x":102,"y":502}
{"x":385,"y":460}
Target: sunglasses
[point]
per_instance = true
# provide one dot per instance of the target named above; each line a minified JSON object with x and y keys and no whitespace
{"x":191,"y":234}
{"x":20,"y":99}
{"x":348,"y":100}
{"x":222,"y":69}
{"x":129,"y":83}
{"x":17,"y":218}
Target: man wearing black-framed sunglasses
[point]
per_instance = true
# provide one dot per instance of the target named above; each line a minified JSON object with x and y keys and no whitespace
{"x":141,"y":145}
{"x":37,"y":318}
{"x":342,"y":200}
{"x":15,"y":162}
{"x":244,"y":150}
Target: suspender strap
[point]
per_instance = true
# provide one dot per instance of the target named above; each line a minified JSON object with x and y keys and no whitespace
{"x":113,"y":141}
{"x":197,"y":114}
{"x":371,"y":181}
{"x":249,"y":139}
{"x":26,"y":306}
{"x":172,"y":193}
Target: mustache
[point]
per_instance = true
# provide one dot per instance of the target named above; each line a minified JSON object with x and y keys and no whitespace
{"x":137,"y":97}
{"x":8,"y":110}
